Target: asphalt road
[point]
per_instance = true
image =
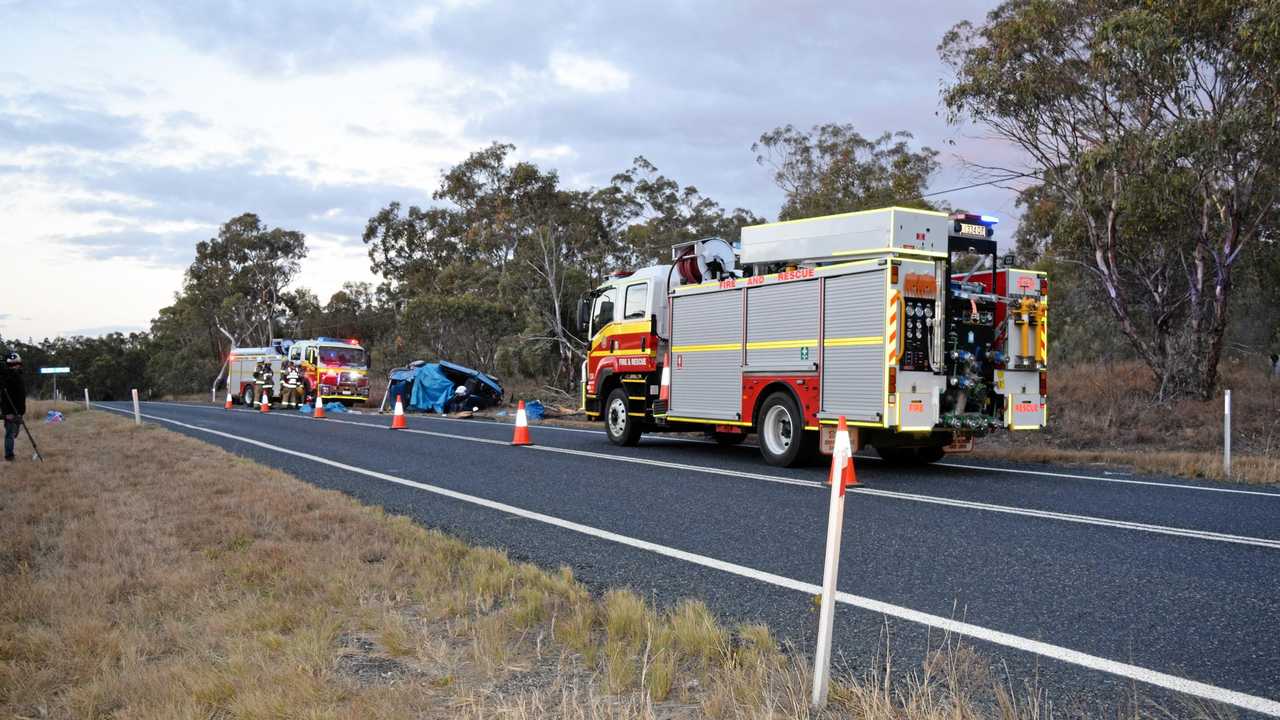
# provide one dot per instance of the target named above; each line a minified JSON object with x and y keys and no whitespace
{"x":1089,"y":585}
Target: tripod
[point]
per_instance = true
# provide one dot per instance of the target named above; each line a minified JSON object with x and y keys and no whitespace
{"x":23,"y":423}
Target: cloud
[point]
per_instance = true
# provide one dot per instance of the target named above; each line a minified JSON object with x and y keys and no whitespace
{"x":42,"y":119}
{"x":586,"y":74}
{"x":157,"y":248}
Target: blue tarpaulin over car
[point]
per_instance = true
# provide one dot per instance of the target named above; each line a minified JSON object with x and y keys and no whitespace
{"x":430,"y":387}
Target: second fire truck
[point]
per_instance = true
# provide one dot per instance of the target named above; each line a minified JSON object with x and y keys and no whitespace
{"x":904,"y":321}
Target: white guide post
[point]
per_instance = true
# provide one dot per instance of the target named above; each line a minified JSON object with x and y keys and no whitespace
{"x":841,"y":466}
{"x":137,"y":412}
{"x":1226,"y":435}
{"x":86,"y":399}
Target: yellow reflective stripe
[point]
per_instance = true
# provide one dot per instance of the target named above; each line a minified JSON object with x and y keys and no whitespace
{"x":705,"y":348}
{"x":776,"y":344}
{"x":854,"y":341}
{"x":709,"y":422}
{"x":621,"y":328}
{"x":858,"y":423}
{"x":782,"y":344}
{"x":608,"y":353}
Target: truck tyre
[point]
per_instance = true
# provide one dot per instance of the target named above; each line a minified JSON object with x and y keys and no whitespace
{"x":623,"y":429}
{"x":780,"y":427}
{"x":247,"y":397}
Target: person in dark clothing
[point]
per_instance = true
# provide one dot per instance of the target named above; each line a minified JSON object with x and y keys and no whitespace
{"x":13,"y":401}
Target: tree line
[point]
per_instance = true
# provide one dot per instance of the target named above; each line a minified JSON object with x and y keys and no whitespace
{"x":1150,"y":135}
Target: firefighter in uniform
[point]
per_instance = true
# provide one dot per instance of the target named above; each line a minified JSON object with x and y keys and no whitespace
{"x":265,"y":379}
{"x":291,"y":382}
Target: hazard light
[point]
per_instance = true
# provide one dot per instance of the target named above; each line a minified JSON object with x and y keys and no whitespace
{"x":893,"y":380}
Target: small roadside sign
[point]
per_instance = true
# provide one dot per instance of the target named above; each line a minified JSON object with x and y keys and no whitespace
{"x":55,"y":370}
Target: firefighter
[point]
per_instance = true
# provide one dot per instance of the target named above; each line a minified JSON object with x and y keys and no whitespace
{"x":291,"y":382}
{"x":265,"y":379}
{"x":13,"y":401}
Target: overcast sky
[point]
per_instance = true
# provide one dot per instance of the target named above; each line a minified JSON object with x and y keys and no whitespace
{"x":131,"y":130}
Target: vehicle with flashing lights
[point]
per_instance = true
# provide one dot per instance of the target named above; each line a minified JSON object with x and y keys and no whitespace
{"x":338,"y":369}
{"x":904,"y":321}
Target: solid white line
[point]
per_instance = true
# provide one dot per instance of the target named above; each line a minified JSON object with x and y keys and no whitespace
{"x":1083,"y":519}
{"x":1074,"y":657}
{"x":1122,"y":481}
{"x":1209,"y":535}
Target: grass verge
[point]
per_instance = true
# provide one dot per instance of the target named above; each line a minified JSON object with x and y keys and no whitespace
{"x":149,"y":575}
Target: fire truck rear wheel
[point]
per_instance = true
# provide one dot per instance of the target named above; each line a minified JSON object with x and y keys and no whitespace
{"x":783,"y":440}
{"x":623,"y":429}
{"x":246,"y":395}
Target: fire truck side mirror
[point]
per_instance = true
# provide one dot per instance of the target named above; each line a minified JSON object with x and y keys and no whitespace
{"x":584,"y":312}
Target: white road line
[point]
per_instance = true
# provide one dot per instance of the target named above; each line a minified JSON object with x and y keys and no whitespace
{"x":1121,"y":481}
{"x":1208,"y":535}
{"x":1083,"y":519}
{"x":1093,"y":662}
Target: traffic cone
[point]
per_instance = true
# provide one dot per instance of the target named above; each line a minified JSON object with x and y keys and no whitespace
{"x":397,"y":420}
{"x":266,"y":403}
{"x":521,"y":436}
{"x":317,"y":407}
{"x":227,"y":405}
{"x":842,"y":459}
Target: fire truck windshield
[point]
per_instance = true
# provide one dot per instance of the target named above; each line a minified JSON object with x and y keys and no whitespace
{"x":342,"y":356}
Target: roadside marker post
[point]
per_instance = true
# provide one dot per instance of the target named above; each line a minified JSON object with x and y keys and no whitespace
{"x":842,"y":476}
{"x":1226,"y":435}
{"x":137,"y":412}
{"x":86,"y":399}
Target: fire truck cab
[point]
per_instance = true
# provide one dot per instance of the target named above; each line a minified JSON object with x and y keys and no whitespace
{"x":903,"y":321}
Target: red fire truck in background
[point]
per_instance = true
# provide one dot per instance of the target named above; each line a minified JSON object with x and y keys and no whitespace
{"x":904,"y":321}
{"x":338,"y":369}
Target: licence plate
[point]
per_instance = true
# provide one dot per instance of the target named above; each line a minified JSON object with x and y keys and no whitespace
{"x":346,"y":390}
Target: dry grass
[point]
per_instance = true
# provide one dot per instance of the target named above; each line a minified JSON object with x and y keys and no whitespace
{"x":1104,"y":414}
{"x":148,"y":575}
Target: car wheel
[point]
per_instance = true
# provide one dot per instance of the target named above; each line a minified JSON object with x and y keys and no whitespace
{"x":622,"y":428}
{"x":780,"y":427}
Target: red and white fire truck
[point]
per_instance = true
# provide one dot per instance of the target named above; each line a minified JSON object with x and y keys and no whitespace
{"x":337,"y":368}
{"x":904,"y":321}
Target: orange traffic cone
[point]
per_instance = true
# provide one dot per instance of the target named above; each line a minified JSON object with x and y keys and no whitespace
{"x":842,"y":459}
{"x":227,"y":405}
{"x":317,"y":407}
{"x":521,"y":436}
{"x":266,"y":403}
{"x":397,"y":420}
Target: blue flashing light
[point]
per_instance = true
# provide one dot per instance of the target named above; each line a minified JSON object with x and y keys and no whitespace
{"x":990,"y":219}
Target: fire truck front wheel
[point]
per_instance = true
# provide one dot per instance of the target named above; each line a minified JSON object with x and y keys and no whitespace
{"x":246,"y":396}
{"x":783,"y":440}
{"x":623,"y":429}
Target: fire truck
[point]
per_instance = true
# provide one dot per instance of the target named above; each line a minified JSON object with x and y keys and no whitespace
{"x":337,"y":368}
{"x":905,"y":321}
